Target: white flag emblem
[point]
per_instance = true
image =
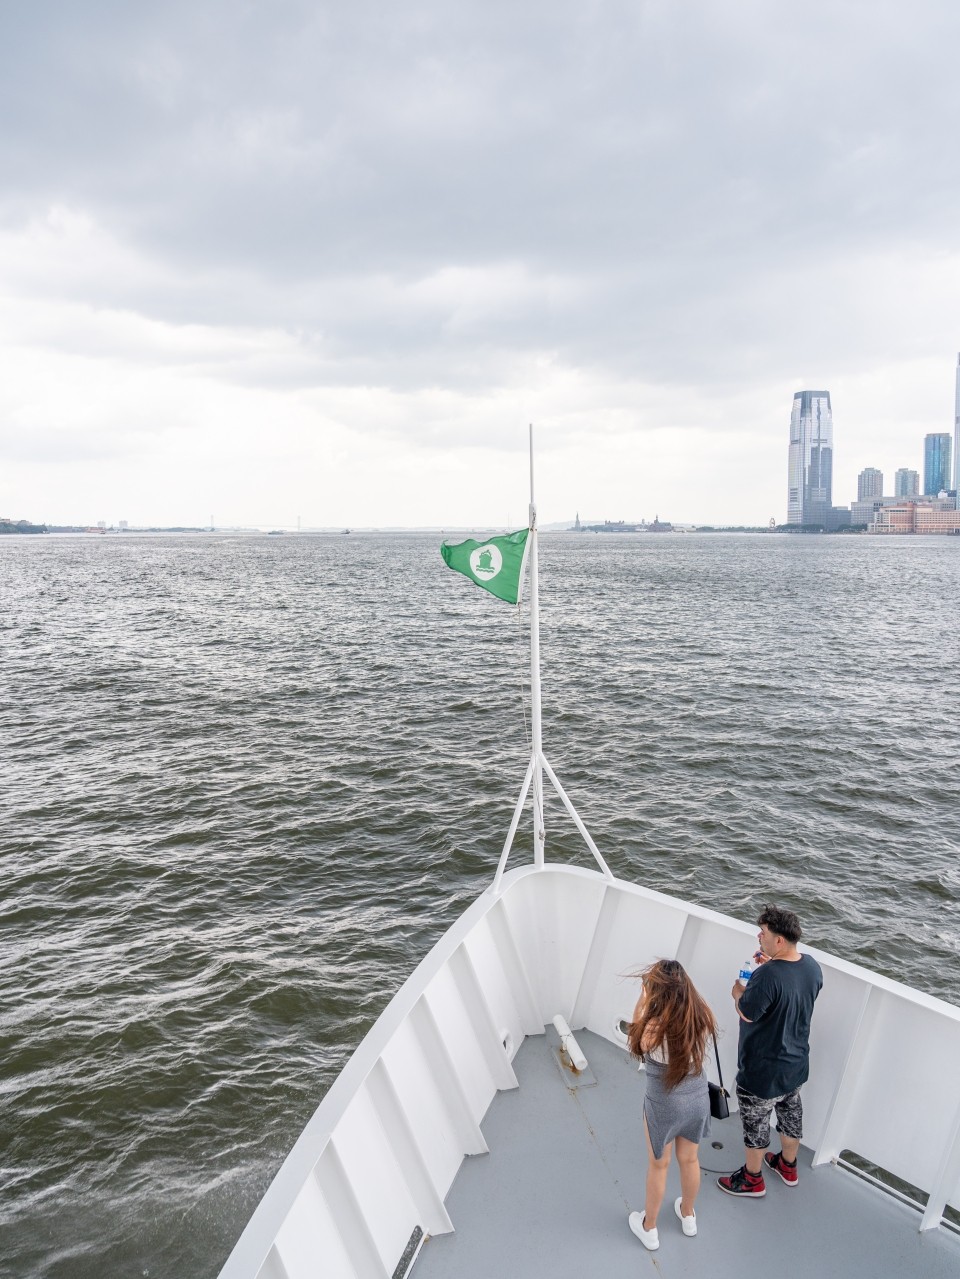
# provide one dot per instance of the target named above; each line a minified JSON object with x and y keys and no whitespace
{"x":486,"y":562}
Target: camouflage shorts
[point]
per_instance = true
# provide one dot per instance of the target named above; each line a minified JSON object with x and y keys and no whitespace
{"x":755,"y":1117}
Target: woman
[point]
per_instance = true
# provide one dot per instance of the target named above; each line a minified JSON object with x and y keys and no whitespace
{"x":670,"y":1029}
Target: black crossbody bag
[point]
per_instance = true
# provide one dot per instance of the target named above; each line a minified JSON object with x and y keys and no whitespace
{"x":718,"y":1094}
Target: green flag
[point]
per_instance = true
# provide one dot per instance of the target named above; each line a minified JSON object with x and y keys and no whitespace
{"x":496,"y":564}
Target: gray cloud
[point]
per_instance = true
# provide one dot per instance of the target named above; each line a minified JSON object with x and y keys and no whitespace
{"x":681,"y":190}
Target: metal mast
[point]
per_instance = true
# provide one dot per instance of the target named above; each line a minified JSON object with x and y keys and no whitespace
{"x":539,"y":828}
{"x":538,"y":761}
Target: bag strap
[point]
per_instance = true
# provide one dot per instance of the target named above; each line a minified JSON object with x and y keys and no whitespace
{"x":716,"y":1053}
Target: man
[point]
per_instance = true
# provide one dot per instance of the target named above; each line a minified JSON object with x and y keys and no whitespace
{"x":775,"y":1008}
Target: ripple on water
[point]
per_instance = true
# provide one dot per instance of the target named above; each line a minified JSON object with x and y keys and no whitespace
{"x":249,"y":782}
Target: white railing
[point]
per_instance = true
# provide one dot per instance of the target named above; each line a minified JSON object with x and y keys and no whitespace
{"x":375,"y":1163}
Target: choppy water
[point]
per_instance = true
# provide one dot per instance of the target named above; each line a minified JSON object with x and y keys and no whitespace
{"x":247,"y":782}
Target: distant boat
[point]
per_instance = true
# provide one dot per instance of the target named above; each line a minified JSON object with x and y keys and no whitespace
{"x":276,"y":532}
{"x":346,"y":530}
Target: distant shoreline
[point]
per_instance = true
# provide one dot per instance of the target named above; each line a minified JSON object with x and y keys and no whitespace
{"x":415,"y":530}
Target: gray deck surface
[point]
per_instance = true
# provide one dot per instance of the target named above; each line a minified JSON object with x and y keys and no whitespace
{"x":566,"y":1167}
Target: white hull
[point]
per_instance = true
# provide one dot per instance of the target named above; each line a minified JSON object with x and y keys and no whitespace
{"x":379,"y":1156}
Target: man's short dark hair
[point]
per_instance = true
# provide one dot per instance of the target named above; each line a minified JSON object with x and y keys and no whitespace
{"x":782,"y":922}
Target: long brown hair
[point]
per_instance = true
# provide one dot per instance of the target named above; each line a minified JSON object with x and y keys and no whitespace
{"x":678,"y":1016}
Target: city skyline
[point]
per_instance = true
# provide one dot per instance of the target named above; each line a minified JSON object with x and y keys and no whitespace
{"x":810,"y":482}
{"x":811,"y":462}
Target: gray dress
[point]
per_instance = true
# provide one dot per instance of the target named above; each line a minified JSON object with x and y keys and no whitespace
{"x":683,"y":1111}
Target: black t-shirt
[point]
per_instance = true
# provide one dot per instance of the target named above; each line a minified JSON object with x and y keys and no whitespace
{"x":774,"y":1055}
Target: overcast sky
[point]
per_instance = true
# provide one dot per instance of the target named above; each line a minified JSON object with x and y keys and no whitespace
{"x":269,"y":260}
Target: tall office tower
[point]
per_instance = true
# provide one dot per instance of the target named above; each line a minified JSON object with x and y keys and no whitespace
{"x":936,"y":463}
{"x":956,"y":436}
{"x":869,"y":484}
{"x":810,"y":472}
{"x":906,"y":483}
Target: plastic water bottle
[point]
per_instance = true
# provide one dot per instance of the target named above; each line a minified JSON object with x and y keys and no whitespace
{"x":747,"y":970}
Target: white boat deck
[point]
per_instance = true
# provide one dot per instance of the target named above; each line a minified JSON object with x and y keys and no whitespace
{"x":393,"y":1151}
{"x":567,"y":1164}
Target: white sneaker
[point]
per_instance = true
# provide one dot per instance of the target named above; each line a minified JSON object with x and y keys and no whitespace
{"x":649,"y":1238}
{"x":689,"y":1223}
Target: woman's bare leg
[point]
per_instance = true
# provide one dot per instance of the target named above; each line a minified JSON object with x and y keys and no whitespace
{"x":688,"y":1157}
{"x":656,"y":1180}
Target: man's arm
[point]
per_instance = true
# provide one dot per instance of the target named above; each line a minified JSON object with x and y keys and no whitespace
{"x":758,"y":995}
{"x":737,"y":992}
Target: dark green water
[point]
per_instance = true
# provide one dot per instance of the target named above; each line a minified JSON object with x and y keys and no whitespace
{"x":247,"y":782}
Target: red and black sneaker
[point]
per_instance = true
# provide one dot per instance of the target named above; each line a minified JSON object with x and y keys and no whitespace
{"x":786,"y":1172}
{"x":742,"y":1182}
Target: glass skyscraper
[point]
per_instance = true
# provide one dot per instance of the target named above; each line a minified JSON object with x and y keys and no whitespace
{"x":956,"y":437}
{"x":937,"y":472}
{"x":810,"y":476}
{"x":906,"y":483}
